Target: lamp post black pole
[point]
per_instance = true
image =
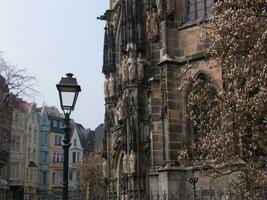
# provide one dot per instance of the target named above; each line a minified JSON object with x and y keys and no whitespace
{"x":66,"y":147}
{"x":193,"y":180}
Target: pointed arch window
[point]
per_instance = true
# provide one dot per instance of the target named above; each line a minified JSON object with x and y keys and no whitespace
{"x":201,"y":100}
{"x":198,"y":9}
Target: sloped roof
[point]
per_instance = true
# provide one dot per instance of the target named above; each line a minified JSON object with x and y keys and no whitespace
{"x":26,"y":107}
{"x":80,"y":131}
{"x":32,"y":164}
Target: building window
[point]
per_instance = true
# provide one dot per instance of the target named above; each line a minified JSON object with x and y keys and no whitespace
{"x":55,"y":124}
{"x":17,"y":146}
{"x":53,"y":177}
{"x":29,"y":152}
{"x":62,"y":158}
{"x":74,"y":157}
{"x":35,"y":136}
{"x":75,"y":142}
{"x":58,"y":140}
{"x":45,"y":157}
{"x":57,"y":177}
{"x":14,"y":170}
{"x":34,"y":155}
{"x":58,"y":158}
{"x":44,"y":177}
{"x":71,"y":175}
{"x":78,"y":156}
{"x":45,"y":138}
{"x":200,"y":122}
{"x":199,"y":9}
{"x":30,"y":133}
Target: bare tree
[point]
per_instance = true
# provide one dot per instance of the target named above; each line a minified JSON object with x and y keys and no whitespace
{"x":230,"y":123}
{"x":17,"y":82}
{"x":91,"y":173}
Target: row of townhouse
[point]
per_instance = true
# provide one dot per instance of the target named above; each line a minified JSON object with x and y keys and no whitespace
{"x":36,"y":157}
{"x":5,"y":132}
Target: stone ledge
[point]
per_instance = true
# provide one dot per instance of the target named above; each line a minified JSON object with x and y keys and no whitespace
{"x":182,"y":60}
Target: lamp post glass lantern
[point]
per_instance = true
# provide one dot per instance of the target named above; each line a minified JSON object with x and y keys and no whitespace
{"x":68,"y":89}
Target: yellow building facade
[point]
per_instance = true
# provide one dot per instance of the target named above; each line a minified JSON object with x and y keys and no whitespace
{"x":56,"y":136}
{"x":31,"y":154}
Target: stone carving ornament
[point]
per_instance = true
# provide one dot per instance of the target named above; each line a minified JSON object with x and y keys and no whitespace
{"x":106,"y":87}
{"x":152,"y":23}
{"x":160,"y":7}
{"x":119,"y":114}
{"x":125,"y":163}
{"x":132,"y":161}
{"x":131,"y":65}
{"x":124,"y":70}
{"x":170,"y":7}
{"x":140,"y":67}
{"x":104,"y":165}
{"x":111,"y":86}
{"x":148,"y":26}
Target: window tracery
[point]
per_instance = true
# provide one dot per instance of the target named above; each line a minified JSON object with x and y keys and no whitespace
{"x":199,"y":9}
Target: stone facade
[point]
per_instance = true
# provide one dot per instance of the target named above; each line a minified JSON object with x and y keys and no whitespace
{"x":75,"y":157}
{"x":44,"y":146}
{"x":147,"y":43}
{"x":17,"y":154}
{"x":31,"y":152}
{"x":5,"y":135}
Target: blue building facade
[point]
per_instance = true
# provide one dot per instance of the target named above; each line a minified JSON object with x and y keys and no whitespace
{"x":43,"y":165}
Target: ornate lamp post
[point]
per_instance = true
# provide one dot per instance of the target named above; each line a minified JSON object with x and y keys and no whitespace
{"x":193,"y":180}
{"x":68,"y":89}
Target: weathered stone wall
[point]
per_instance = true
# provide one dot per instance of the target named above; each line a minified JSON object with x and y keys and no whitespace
{"x":154,"y":124}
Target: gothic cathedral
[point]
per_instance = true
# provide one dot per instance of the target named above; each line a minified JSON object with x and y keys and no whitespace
{"x":147,"y":44}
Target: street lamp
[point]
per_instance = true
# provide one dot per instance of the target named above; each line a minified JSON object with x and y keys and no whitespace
{"x":193,"y":180}
{"x":68,"y":89}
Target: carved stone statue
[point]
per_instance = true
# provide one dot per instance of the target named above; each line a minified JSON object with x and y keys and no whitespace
{"x":124,"y":70}
{"x":154,"y":24}
{"x":111,"y":86}
{"x":170,"y":7}
{"x":119,"y":114}
{"x":132,"y":161}
{"x":106,"y":83}
{"x":149,"y":105}
{"x":104,"y":165}
{"x":159,"y":7}
{"x":131,"y":65}
{"x":125,"y":163}
{"x":148,"y":25}
{"x":140,"y":67}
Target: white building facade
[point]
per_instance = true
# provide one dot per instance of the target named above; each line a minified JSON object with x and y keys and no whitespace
{"x":75,"y":157}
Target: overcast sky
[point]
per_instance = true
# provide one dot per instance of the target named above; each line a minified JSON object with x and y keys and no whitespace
{"x":52,"y":37}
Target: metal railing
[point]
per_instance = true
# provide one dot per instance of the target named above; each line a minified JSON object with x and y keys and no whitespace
{"x":57,"y":195}
{"x":202,"y":194}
